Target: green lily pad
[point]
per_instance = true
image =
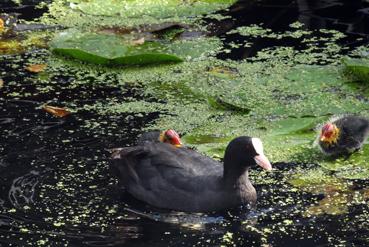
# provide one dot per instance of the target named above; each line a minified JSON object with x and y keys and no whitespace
{"x":152,"y":8}
{"x":110,"y":49}
{"x":358,"y":68}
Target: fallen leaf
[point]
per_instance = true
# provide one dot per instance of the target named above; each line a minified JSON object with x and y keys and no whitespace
{"x":1,"y":25}
{"x":36,"y":68}
{"x":1,"y":83}
{"x":138,"y":41}
{"x":56,"y":111}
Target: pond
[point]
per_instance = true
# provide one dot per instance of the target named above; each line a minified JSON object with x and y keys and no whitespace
{"x":56,"y":189}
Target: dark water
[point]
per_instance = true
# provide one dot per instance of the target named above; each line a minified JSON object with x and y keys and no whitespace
{"x":55,"y":187}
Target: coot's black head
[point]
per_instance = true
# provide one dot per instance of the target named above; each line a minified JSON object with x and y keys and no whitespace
{"x":246,"y":151}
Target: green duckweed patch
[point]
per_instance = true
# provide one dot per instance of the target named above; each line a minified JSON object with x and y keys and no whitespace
{"x":76,"y":13}
{"x":280,"y":95}
{"x":279,"y":102}
{"x":357,"y":68}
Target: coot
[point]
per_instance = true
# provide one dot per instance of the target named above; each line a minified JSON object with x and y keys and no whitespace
{"x":343,"y":135}
{"x":185,"y":180}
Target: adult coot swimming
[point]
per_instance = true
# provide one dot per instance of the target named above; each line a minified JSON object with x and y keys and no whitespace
{"x":343,"y":135}
{"x":185,"y":180}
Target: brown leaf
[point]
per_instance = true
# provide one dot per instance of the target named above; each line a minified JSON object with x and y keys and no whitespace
{"x":56,"y":111}
{"x":36,"y":68}
{"x":1,"y":83}
{"x":138,"y":41}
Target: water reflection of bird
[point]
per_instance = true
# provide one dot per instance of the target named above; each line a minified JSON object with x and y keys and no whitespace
{"x":185,"y":180}
{"x":343,"y":135}
{"x":168,"y":136}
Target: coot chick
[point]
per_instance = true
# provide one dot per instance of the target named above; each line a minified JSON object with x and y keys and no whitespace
{"x":343,"y":135}
{"x":168,"y":136}
{"x":185,"y":180}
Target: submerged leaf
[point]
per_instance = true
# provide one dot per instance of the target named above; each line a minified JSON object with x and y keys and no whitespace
{"x":223,"y":72}
{"x":334,"y":204}
{"x":316,"y":181}
{"x":221,"y":104}
{"x":36,"y":68}
{"x":359,"y":68}
{"x":56,"y":111}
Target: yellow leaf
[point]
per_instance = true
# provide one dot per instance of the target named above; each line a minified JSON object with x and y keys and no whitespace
{"x":1,"y":25}
{"x":36,"y":68}
{"x":56,"y":111}
{"x":1,"y":83}
{"x":10,"y":46}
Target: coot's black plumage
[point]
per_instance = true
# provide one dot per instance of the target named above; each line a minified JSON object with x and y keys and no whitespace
{"x":182,"y":179}
{"x":151,"y":136}
{"x":343,"y":135}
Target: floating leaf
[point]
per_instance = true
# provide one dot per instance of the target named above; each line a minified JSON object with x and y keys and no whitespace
{"x":56,"y":111}
{"x":359,"y":68}
{"x":110,"y":49}
{"x":1,"y":83}
{"x":36,"y":68}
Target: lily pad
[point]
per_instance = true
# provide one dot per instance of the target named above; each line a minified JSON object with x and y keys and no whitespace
{"x":110,"y":49}
{"x":152,"y":8}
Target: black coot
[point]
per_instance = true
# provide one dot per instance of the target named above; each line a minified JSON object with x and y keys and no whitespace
{"x":185,"y":180}
{"x":343,"y":135}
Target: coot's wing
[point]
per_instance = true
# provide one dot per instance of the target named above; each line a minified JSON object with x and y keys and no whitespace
{"x":166,"y":176}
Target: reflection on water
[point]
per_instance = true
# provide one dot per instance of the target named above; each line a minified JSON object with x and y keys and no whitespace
{"x":55,"y":187}
{"x":22,"y":190}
